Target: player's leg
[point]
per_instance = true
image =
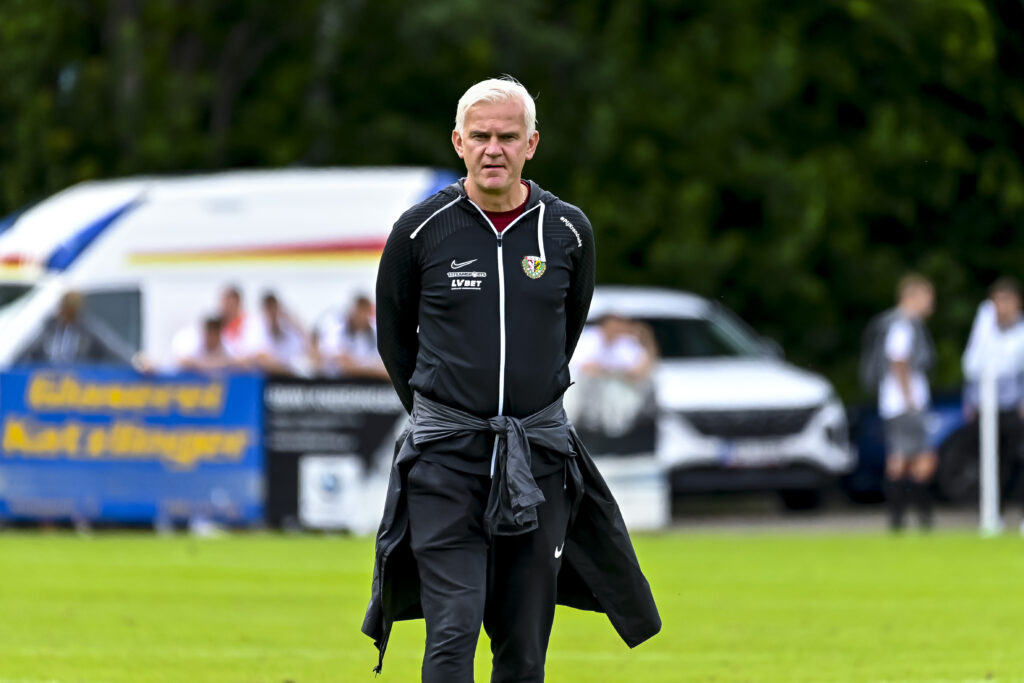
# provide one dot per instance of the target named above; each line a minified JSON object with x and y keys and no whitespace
{"x":921,"y":472}
{"x":1011,"y":459}
{"x":522,"y":588}
{"x":446,"y":510}
{"x":895,"y":488}
{"x":895,"y":471}
{"x":921,"y":466}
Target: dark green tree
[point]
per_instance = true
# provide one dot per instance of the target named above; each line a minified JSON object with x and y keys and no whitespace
{"x":789,"y":159}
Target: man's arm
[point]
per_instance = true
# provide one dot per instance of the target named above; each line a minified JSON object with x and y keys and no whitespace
{"x":398,"y":299}
{"x":898,"y":347}
{"x":981,"y":329}
{"x":581,"y":287}
{"x":901,"y":370}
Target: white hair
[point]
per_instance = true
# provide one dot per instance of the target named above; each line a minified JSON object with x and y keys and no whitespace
{"x":497,"y":90}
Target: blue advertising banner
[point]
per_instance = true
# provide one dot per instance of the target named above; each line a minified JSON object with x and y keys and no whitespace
{"x":109,"y":444}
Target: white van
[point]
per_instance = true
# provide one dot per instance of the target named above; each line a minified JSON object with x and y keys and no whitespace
{"x":732,"y":415}
{"x":151,"y":255}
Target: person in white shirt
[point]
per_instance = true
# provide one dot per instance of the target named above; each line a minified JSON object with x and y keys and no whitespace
{"x":346,"y":343}
{"x":997,"y":337}
{"x":277,"y":346}
{"x":614,"y":348}
{"x":236,"y":330}
{"x":612,"y":364}
{"x":202,"y":349}
{"x":903,"y":398}
{"x":236,"y":323}
{"x":997,"y":340}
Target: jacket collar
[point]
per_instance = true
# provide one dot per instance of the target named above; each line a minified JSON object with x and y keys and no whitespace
{"x":537,"y":193}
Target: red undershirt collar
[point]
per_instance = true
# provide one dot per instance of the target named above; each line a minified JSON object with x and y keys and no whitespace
{"x":502,"y":219}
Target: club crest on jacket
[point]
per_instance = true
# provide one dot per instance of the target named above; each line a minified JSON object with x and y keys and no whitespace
{"x":534,"y":267}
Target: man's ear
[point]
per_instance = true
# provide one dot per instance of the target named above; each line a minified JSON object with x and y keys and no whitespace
{"x":457,"y":143}
{"x":531,"y":147}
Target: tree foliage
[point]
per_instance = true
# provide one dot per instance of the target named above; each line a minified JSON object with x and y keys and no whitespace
{"x":790,"y":159}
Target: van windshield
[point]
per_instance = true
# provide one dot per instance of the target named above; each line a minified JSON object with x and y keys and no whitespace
{"x":10,"y":296}
{"x":11,"y":293}
{"x":714,"y":337}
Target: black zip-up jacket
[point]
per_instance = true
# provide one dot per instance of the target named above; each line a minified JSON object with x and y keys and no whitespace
{"x":480,"y":320}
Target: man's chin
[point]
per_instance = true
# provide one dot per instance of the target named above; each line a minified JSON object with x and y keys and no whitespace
{"x":494,"y":185}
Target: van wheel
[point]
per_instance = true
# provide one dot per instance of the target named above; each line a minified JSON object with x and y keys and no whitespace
{"x":801,"y":500}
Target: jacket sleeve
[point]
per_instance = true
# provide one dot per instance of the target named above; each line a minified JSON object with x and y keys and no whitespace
{"x":581,"y":287}
{"x":398,"y":298}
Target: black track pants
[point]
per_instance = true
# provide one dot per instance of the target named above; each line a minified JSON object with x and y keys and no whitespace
{"x":508,"y":585}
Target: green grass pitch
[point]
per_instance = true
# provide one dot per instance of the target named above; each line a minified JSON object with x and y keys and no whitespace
{"x":264,"y":608}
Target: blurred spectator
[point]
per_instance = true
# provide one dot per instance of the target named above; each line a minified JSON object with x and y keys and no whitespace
{"x":205,"y":351}
{"x":612,"y":365}
{"x":997,"y":338}
{"x":73,"y":336}
{"x":234,"y":319}
{"x":617,"y":348}
{"x":903,"y":397}
{"x":346,"y":344}
{"x":276,"y":344}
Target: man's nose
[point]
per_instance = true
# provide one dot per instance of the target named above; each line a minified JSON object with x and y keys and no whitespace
{"x":493,"y":148}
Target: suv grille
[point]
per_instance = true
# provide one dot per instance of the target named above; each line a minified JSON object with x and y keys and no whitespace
{"x":739,"y":424}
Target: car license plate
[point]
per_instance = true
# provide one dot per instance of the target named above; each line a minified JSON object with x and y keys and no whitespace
{"x":749,"y":453}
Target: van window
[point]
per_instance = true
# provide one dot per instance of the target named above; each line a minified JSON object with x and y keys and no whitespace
{"x":701,"y":338}
{"x":121,"y":310}
{"x":11,"y":293}
{"x":10,"y":296}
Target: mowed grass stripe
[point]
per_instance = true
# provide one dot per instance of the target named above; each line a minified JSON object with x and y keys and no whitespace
{"x":265,"y":608}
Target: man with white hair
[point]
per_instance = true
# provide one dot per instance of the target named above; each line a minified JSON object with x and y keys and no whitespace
{"x":495,"y":511}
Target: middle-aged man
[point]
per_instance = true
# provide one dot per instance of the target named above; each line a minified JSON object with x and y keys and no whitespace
{"x":495,"y":511}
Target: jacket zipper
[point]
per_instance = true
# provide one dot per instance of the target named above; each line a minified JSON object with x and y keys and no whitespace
{"x":501,"y":314}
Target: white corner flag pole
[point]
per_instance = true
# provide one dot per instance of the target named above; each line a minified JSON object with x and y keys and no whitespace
{"x":989,"y":423}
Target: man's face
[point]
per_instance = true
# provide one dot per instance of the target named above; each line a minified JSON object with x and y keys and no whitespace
{"x":211,"y":339}
{"x":614,"y":327}
{"x":68,"y":310}
{"x":272,"y":317}
{"x":361,"y":316}
{"x":1007,"y":307}
{"x":925,"y":300}
{"x":494,"y":145}
{"x":230,"y":306}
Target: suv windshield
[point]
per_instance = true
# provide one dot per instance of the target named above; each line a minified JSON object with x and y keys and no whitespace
{"x":718,"y":336}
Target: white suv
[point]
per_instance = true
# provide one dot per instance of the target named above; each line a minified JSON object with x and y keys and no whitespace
{"x":731,"y":414}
